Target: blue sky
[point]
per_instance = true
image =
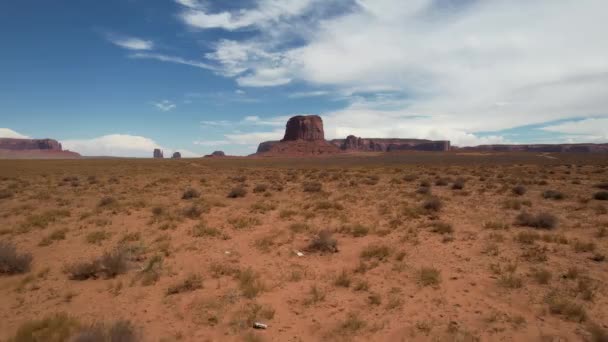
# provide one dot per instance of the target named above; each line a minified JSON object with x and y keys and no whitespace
{"x":122,"y":77}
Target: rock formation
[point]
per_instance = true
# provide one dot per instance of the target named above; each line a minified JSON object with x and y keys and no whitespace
{"x":304,"y":136}
{"x":309,"y":128}
{"x":33,"y":149}
{"x":353,"y":143}
{"x":216,"y":154}
{"x":580,"y":148}
{"x":176,"y":155}
{"x":158,"y":153}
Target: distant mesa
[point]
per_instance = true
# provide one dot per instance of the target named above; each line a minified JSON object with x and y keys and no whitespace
{"x":545,"y":148}
{"x":304,"y":135}
{"x":176,"y":155}
{"x":34,"y":149}
{"x":216,"y":154}
{"x":353,"y":143}
{"x":158,"y":153}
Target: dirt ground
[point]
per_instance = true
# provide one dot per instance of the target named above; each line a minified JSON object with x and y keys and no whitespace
{"x":415,"y":247}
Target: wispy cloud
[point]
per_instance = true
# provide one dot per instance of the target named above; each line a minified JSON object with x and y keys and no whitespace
{"x":303,"y":94}
{"x":266,"y":11}
{"x":131,"y":43}
{"x":165,"y":105}
{"x":173,"y":59}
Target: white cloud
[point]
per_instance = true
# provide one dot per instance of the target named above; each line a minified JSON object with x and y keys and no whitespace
{"x":212,"y":142}
{"x":172,"y":59}
{"x":131,"y":43}
{"x":165,"y":105}
{"x":120,"y":145}
{"x":266,"y":11}
{"x":588,"y":130}
{"x":466,"y":67}
{"x":9,"y":133}
{"x":303,"y":94}
{"x":190,"y":3}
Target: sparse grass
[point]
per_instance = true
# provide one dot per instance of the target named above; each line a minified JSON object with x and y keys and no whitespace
{"x":351,"y":325}
{"x":191,"y":283}
{"x":56,"y":328}
{"x":44,"y":219}
{"x":510,"y":281}
{"x":328,"y":205}
{"x":324,"y":242}
{"x":237,"y":192}
{"x":243,"y":222}
{"x":540,"y":220}
{"x":527,"y":237}
{"x":260,"y":188}
{"x":96,"y":237}
{"x":442,"y":228}
{"x":496,"y":225}
{"x":561,"y":305}
{"x":250,"y":283}
{"x":515,"y":204}
{"x":202,"y":230}
{"x":343,"y":279}
{"x":583,"y":247}
{"x":375,"y":251}
{"x":428,"y":276}
{"x":541,"y":275}
{"x":312,"y":187}
{"x":57,"y":235}
{"x":299,"y":227}
{"x":315,"y":295}
{"x":12,"y":262}
{"x":119,"y":331}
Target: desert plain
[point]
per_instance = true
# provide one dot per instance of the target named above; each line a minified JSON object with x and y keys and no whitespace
{"x":401,"y":247}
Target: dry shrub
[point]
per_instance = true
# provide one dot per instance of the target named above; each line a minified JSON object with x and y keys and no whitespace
{"x":380,"y":252}
{"x":190,"y":194}
{"x":601,"y":196}
{"x":553,"y":194}
{"x":109,"y":265}
{"x":312,"y":187}
{"x":519,"y":190}
{"x":189,"y":284}
{"x":56,"y":328}
{"x":442,"y":228}
{"x":428,"y":276}
{"x":540,"y":220}
{"x":432,"y":204}
{"x":250,"y":283}
{"x":260,"y":188}
{"x":458,"y":184}
{"x":107,"y":201}
{"x":324,"y":242}
{"x":561,"y":305}
{"x":12,"y":262}
{"x":119,"y":331}
{"x":237,"y":192}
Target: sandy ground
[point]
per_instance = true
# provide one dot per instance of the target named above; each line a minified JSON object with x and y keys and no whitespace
{"x":464,"y":272}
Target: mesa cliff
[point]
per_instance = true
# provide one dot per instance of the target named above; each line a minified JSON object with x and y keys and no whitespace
{"x":304,"y":135}
{"x":34,"y":149}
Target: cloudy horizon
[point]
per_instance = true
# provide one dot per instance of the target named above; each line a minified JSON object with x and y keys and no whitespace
{"x":195,"y":76}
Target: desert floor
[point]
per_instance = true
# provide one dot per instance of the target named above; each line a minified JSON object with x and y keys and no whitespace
{"x":412,"y":247}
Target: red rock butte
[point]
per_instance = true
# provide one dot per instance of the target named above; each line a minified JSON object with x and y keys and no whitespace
{"x":34,"y":149}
